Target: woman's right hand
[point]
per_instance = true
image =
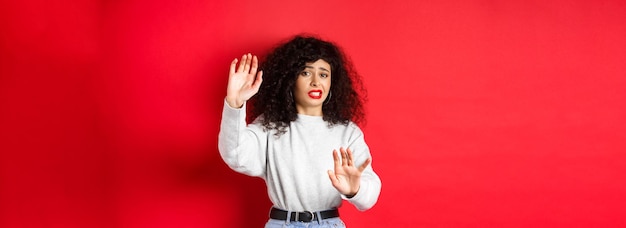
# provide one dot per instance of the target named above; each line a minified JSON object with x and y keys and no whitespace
{"x":243,"y":80}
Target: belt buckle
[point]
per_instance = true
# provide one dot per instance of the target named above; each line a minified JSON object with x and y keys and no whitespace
{"x":309,"y":219}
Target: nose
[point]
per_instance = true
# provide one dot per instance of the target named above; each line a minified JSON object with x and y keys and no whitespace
{"x":314,"y":81}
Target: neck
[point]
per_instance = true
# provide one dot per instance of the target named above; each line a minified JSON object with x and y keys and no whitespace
{"x":309,"y":111}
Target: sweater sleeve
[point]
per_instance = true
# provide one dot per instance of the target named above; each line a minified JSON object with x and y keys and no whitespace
{"x":243,"y":147}
{"x":369,"y":189}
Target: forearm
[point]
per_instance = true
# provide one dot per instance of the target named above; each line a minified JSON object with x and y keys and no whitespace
{"x":240,"y":147}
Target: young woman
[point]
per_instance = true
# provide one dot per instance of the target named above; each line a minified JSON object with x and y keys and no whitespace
{"x":303,"y":140}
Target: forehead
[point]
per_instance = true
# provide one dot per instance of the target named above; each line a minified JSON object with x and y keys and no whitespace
{"x":319,"y":64}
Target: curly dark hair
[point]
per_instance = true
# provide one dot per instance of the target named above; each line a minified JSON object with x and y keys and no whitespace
{"x":275,"y":102}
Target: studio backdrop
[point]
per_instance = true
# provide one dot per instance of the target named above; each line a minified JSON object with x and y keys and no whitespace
{"x":480,"y":113}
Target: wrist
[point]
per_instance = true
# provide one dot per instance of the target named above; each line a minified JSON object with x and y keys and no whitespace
{"x":350,"y":195}
{"x":234,"y":103}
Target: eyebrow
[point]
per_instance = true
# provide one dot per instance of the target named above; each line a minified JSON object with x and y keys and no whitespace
{"x":321,"y":68}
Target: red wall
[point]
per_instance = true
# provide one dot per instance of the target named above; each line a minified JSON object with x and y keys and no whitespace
{"x":481,"y":113}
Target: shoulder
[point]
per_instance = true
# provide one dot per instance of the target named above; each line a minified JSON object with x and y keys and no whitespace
{"x":258,"y":120}
{"x":270,"y":128}
{"x":354,"y":126}
{"x":349,"y":128}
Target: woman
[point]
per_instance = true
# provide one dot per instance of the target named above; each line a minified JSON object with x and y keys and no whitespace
{"x":307,"y":104}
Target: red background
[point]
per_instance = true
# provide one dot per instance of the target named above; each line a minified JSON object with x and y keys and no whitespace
{"x":481,"y":113}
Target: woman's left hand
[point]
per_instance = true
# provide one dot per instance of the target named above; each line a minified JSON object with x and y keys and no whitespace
{"x":347,"y":177}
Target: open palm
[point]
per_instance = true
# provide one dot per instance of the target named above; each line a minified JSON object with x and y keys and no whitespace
{"x":243,"y":81}
{"x":346,"y":177}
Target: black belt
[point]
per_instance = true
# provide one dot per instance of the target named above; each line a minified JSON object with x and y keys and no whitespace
{"x":306,"y":216}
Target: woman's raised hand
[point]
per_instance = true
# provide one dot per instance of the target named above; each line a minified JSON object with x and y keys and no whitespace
{"x":243,"y":80}
{"x":347,"y":176}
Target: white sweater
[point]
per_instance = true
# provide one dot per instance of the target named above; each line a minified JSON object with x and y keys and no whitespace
{"x":294,"y":165}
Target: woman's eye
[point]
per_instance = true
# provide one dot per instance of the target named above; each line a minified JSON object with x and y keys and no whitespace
{"x":305,"y":73}
{"x":324,"y":75}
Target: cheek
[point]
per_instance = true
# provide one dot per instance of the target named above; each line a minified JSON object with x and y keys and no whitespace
{"x":300,"y":85}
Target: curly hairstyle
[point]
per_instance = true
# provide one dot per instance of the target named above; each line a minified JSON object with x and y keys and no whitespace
{"x":275,"y":103}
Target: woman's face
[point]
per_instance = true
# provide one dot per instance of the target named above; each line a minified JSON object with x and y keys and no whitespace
{"x":312,"y":88}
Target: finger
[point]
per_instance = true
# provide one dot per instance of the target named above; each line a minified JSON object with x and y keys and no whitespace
{"x":255,"y":65}
{"x":246,"y":67}
{"x":336,"y":159}
{"x":350,"y":158}
{"x":243,"y":61}
{"x":344,"y":156}
{"x":365,"y":164}
{"x":233,"y":65}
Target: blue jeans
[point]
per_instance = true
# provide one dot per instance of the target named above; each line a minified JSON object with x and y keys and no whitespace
{"x":324,"y":223}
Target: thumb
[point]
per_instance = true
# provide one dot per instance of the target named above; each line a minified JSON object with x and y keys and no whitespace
{"x":365,"y":164}
{"x":333,"y":178}
{"x":257,"y":82}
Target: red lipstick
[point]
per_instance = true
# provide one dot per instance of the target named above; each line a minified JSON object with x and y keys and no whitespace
{"x":315,"y":94}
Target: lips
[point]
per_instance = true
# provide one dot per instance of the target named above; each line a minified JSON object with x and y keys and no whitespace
{"x":315,"y":94}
